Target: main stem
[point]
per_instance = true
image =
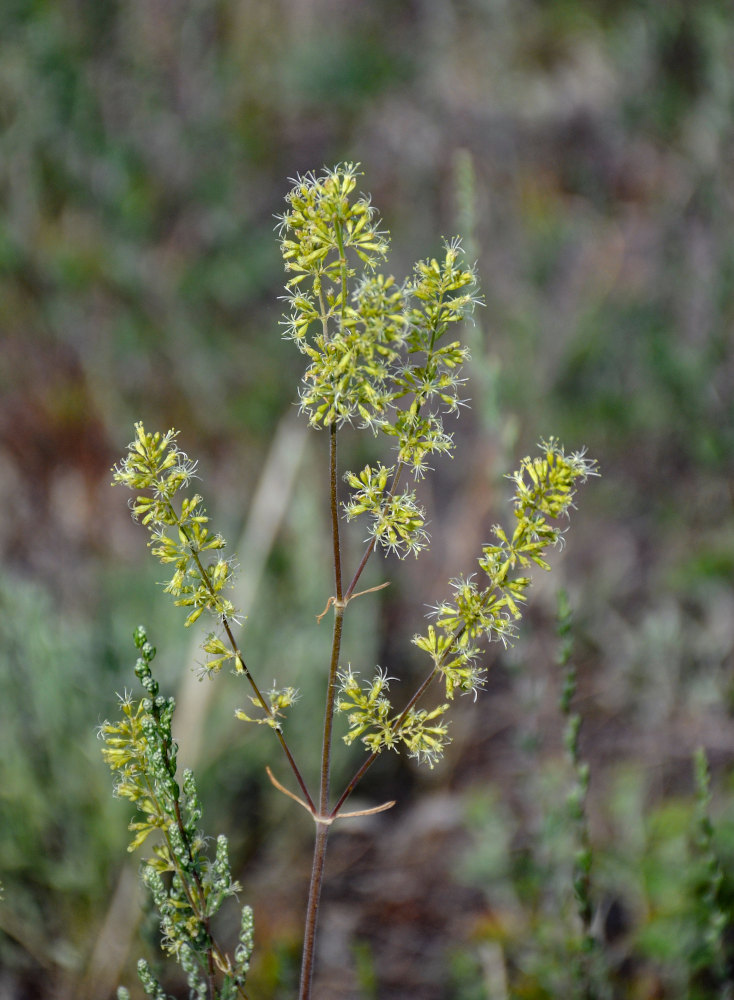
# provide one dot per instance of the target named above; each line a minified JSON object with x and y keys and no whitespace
{"x":322,"y":822}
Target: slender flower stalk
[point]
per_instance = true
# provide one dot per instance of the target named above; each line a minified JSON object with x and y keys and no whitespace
{"x":323,"y":820}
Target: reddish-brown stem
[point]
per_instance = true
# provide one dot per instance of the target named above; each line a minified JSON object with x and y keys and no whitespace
{"x":322,"y":829}
{"x":367,"y":553}
{"x":357,"y":777}
{"x":241,"y":661}
{"x":276,"y":729}
{"x":337,"y":634}
{"x":312,"y":910}
{"x":334,"y":504}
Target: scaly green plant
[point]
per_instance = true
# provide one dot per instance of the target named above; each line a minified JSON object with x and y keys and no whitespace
{"x":382,"y":355}
{"x":188,"y":887}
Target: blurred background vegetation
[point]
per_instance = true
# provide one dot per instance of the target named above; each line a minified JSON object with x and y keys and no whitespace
{"x":585,"y":153}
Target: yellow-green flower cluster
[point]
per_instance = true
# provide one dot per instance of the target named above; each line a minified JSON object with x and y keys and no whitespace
{"x":419,"y":390}
{"x":350,"y":372}
{"x":179,"y":536}
{"x":279,"y":700}
{"x":322,"y":222}
{"x":454,"y":661}
{"x":356,"y":336}
{"x":544,"y":488}
{"x":440,"y":294}
{"x":370,"y":717}
{"x":139,"y":749}
{"x":378,"y":350}
{"x":397,"y":520}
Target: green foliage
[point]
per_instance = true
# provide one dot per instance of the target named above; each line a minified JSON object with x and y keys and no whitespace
{"x":644,"y":907}
{"x":188,"y":887}
{"x":59,"y":829}
{"x":713,"y":914}
{"x":591,"y":977}
{"x":669,"y":867}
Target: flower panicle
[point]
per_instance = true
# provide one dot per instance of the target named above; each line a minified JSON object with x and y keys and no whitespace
{"x":378,"y":349}
{"x":179,"y":536}
{"x":322,"y":221}
{"x":396,"y":520}
{"x":545,"y":487}
{"x":370,"y":717}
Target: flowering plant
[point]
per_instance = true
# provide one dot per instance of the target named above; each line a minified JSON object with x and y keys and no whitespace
{"x":383,"y":355}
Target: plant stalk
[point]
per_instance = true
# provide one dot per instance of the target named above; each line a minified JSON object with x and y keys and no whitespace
{"x":312,"y":910}
{"x":322,"y":827}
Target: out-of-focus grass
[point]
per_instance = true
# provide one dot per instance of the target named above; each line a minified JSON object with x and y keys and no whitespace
{"x":144,"y":148}
{"x":61,"y":833}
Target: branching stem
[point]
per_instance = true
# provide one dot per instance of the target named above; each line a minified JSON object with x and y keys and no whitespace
{"x":369,"y":761}
{"x":241,"y":661}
